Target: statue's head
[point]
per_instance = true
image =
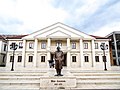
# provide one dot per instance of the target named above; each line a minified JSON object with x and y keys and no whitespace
{"x":58,"y":48}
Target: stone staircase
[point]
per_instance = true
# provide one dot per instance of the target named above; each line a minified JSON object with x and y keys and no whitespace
{"x":97,"y":79}
{"x":85,"y":79}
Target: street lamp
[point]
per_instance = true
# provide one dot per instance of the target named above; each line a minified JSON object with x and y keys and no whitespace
{"x":13,"y":46}
{"x":104,"y":47}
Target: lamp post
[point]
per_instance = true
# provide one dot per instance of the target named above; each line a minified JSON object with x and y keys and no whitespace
{"x":13,"y":46}
{"x":104,"y":47}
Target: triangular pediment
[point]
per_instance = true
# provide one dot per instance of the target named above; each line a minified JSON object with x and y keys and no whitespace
{"x":58,"y":34}
{"x":58,"y":30}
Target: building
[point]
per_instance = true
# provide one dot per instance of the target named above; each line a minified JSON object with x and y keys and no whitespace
{"x":114,"y":47}
{"x":3,"y":50}
{"x":80,"y":50}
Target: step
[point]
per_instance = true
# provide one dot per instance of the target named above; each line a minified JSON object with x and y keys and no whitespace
{"x":94,"y":87}
{"x":19,"y":81}
{"x":99,"y":81}
{"x":98,"y":77}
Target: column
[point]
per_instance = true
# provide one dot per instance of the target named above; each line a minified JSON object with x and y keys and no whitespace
{"x":35,"y":53}
{"x":48,"y":50}
{"x":115,"y":44}
{"x":81,"y":52}
{"x":93,"y":53}
{"x":68,"y":53}
{"x":23,"y":53}
{"x":68,"y":43}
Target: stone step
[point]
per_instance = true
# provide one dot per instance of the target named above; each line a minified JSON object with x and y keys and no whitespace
{"x":22,"y":74}
{"x":19,"y":81}
{"x":96,"y":74}
{"x":94,"y":87}
{"x":98,"y":77}
{"x":78,"y":77}
{"x":98,"y":82}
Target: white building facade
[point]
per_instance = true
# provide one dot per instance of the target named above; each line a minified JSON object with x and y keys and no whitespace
{"x":80,"y":50}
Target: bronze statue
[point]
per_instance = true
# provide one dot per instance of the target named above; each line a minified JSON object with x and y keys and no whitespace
{"x":59,"y":56}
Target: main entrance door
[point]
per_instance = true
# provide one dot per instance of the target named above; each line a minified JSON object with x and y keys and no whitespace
{"x":64,"y":61}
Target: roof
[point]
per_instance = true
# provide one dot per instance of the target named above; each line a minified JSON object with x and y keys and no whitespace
{"x":1,"y":37}
{"x":21,"y":36}
{"x":114,"y":32}
{"x":15,"y":36}
{"x":12,"y":36}
{"x":98,"y":37}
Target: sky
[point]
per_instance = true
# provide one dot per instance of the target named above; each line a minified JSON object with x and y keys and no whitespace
{"x":95,"y":17}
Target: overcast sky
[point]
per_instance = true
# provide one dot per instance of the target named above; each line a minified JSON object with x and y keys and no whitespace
{"x":96,"y":17}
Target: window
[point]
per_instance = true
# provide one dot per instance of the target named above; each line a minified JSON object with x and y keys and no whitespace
{"x":30,"y":45}
{"x":5,"y":47}
{"x":43,"y":45}
{"x":11,"y":58}
{"x":86,"y":58}
{"x":73,"y":58}
{"x":96,"y":45}
{"x":73,"y":45}
{"x":20,"y":45}
{"x":30,"y":59}
{"x":97,"y":58}
{"x":4,"y":58}
{"x":58,"y":43}
{"x":85,"y":45}
{"x":42,"y":58}
{"x":19,"y":58}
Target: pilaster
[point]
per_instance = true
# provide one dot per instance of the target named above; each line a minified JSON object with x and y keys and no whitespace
{"x":23,"y":53}
{"x":68,"y":53}
{"x":93,"y":53}
{"x":81,"y":52}
{"x":48,"y":50}
{"x":35,"y":52}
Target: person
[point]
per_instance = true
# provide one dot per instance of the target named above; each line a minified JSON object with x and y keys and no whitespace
{"x":59,"y":56}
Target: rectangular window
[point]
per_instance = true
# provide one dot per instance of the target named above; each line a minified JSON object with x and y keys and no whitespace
{"x":97,"y":58}
{"x":5,"y":46}
{"x":19,"y":58}
{"x":20,"y":45}
{"x":11,"y":58}
{"x":58,"y":43}
{"x":86,"y":58}
{"x":73,"y":58}
{"x":30,"y":59}
{"x":4,"y":58}
{"x":85,"y":45}
{"x":43,"y":45}
{"x":96,"y":45}
{"x":31,"y":45}
{"x":42,"y":58}
{"x":73,"y":45}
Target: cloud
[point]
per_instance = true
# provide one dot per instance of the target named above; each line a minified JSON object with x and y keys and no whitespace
{"x":89,"y":16}
{"x":105,"y":30}
{"x":33,"y":14}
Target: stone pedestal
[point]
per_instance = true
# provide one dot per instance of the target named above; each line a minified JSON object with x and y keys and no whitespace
{"x":57,"y":82}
